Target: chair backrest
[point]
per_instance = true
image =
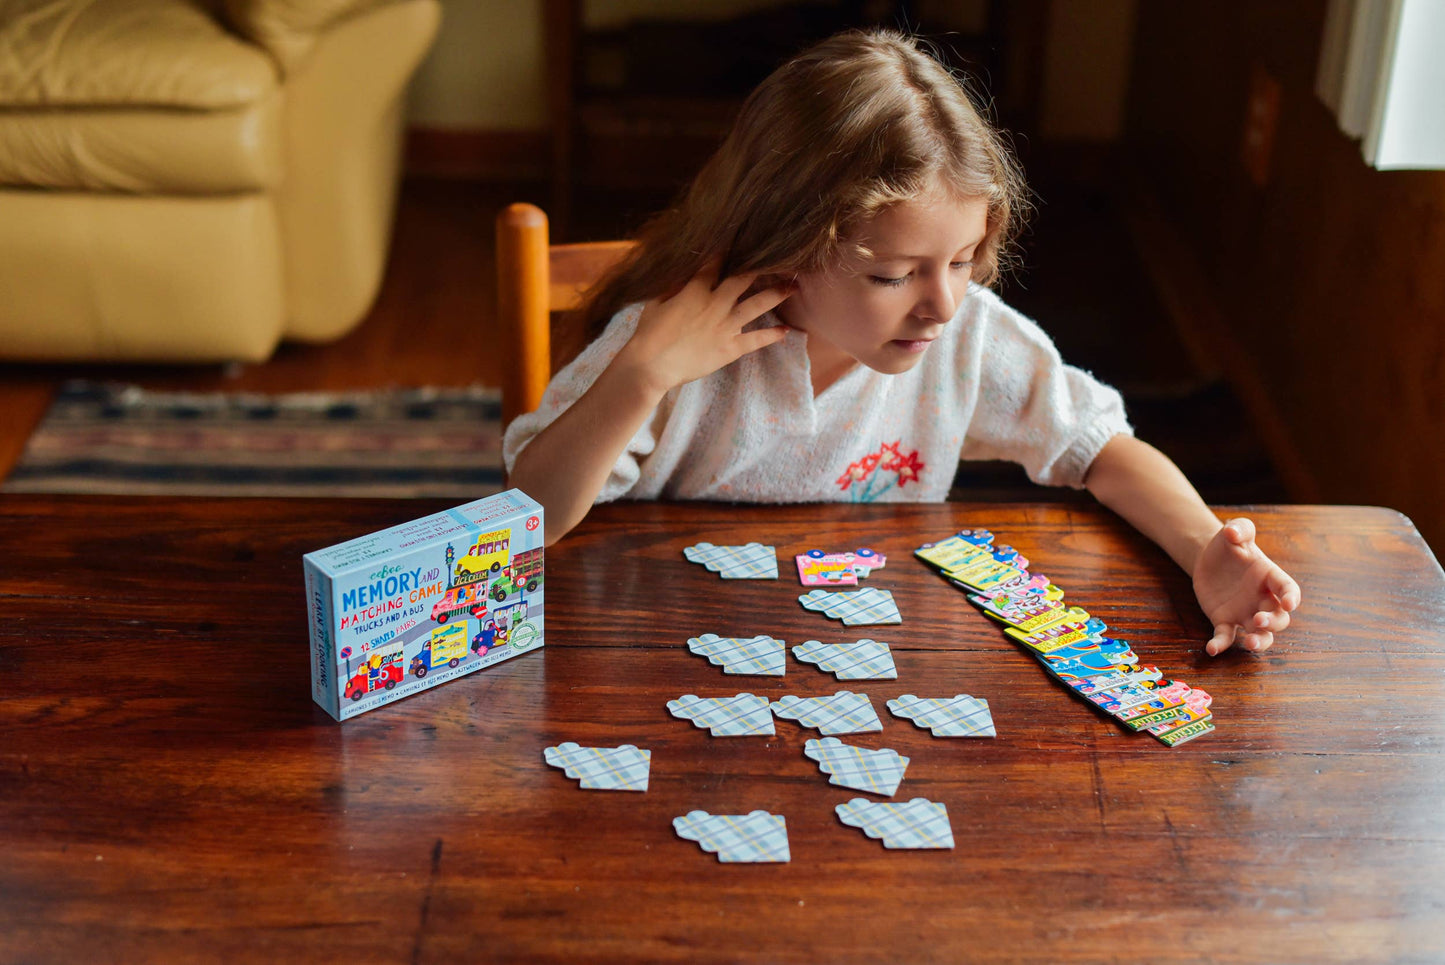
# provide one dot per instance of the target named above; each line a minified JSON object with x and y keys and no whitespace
{"x":536,"y":279}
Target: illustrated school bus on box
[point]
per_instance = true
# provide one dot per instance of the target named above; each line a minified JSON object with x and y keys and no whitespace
{"x":525,"y":570}
{"x":487,"y":555}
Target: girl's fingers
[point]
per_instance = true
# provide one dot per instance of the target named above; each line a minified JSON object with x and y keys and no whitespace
{"x":759,"y":304}
{"x":1240,"y":530}
{"x":1256,"y":641}
{"x":762,"y":338}
{"x":1285,"y":590}
{"x":1223,"y":637}
{"x":706,"y":278}
{"x":1272,"y":620}
{"x":733,"y":287}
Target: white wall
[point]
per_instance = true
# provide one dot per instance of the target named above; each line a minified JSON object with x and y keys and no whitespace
{"x":485,"y":71}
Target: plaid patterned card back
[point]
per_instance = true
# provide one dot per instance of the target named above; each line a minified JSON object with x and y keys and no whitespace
{"x":864,"y":660}
{"x":957,"y":716}
{"x":842,"y":713}
{"x":753,"y":561}
{"x":754,"y":837}
{"x":741,"y":716}
{"x":624,"y":768}
{"x":858,"y":608}
{"x":918,"y":824}
{"x":879,"y":772}
{"x":757,"y":656}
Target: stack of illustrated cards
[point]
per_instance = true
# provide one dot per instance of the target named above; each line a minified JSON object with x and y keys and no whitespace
{"x":1069,"y":643}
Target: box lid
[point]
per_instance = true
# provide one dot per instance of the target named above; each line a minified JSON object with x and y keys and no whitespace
{"x":453,"y":523}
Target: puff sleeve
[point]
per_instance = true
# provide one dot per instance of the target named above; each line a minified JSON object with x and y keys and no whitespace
{"x":569,"y":385}
{"x":1030,"y":407}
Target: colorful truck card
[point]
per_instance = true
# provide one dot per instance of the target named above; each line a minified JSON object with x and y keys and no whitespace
{"x":413,"y":606}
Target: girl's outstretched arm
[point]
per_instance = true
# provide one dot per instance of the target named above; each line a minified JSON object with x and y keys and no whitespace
{"x":1246,"y":596}
{"x":678,"y":339}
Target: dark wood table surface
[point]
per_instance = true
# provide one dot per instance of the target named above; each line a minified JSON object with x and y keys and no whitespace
{"x":169,"y":792}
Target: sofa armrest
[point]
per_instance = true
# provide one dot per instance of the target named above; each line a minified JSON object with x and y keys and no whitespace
{"x":288,"y":29}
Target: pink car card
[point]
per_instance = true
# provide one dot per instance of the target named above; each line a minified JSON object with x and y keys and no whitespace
{"x":817,"y":568}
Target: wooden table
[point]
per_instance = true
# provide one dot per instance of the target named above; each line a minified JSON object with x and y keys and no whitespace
{"x":169,"y":792}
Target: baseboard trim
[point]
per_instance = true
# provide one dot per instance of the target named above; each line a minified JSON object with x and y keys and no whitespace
{"x":481,"y":155}
{"x":1187,"y":294}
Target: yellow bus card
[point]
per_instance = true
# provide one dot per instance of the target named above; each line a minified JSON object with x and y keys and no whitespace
{"x":984,"y":562}
{"x":985,"y":576}
{"x":1057,"y":635}
{"x":952,"y":553}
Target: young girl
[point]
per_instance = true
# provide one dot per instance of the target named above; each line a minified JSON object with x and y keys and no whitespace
{"x":820,"y":292}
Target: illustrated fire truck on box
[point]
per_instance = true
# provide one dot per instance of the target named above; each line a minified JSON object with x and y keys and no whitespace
{"x":469,"y":598}
{"x":448,"y":645}
{"x":525,"y":570}
{"x":381,"y":670}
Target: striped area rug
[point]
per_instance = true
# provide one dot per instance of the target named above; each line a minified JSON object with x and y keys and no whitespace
{"x":393,"y":443}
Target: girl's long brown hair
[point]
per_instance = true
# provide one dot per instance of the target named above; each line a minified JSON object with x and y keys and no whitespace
{"x":860,"y":121}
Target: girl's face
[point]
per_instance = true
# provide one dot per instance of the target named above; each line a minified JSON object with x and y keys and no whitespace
{"x":884,"y":308}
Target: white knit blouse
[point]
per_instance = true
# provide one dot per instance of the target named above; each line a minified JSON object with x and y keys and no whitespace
{"x":992,"y":386}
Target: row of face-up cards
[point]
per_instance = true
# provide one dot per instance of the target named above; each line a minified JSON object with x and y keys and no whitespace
{"x":1070,"y":644}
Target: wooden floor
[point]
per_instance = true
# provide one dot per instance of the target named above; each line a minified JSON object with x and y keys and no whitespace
{"x":433,"y":320}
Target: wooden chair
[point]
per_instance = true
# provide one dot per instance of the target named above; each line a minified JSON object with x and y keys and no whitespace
{"x":536,"y":280}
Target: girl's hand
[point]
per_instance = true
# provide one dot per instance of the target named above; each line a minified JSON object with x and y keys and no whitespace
{"x":700,"y":329}
{"x":1244,"y":593}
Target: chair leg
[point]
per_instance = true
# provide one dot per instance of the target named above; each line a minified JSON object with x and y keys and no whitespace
{"x":523,"y":282}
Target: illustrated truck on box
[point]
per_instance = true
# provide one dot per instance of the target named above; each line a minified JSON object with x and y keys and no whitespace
{"x":447,"y":646}
{"x":525,"y":570}
{"x":471,"y":599}
{"x":381,"y":670}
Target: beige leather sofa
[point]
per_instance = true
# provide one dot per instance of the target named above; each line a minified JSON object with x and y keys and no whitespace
{"x":189,"y":180}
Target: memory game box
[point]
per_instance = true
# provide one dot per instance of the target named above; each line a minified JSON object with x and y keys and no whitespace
{"x":416,"y":605}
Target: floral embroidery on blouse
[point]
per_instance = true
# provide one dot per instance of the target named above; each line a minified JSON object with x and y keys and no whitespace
{"x":868,"y":478}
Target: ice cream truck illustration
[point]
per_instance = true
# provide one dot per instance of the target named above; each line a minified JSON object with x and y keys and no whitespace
{"x":448,"y":645}
{"x":487,"y":555}
{"x":525,"y":570}
{"x":381,"y":670}
{"x":467,"y":598}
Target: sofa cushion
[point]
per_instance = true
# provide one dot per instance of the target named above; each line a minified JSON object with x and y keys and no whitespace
{"x":115,"y":278}
{"x":289,"y":29}
{"x":131,"y":53}
{"x":144,"y":151}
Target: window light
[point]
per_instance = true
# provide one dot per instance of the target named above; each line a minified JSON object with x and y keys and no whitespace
{"x":1382,"y":73}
